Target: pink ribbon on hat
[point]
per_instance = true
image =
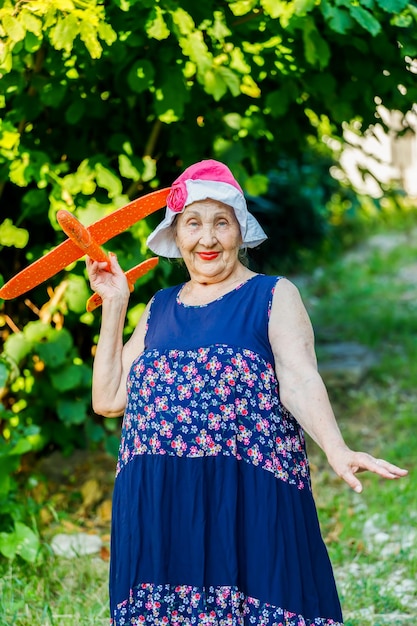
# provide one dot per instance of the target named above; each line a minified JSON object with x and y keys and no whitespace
{"x":204,"y":170}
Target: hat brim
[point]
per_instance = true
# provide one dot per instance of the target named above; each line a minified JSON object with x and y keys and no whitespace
{"x":162,"y":240}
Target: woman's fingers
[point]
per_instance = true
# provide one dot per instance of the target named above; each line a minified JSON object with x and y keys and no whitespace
{"x":354,"y":462}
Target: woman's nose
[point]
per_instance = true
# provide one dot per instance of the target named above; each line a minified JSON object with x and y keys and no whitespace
{"x":208,"y":237}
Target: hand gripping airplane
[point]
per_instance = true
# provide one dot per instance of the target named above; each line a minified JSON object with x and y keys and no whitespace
{"x":87,"y":240}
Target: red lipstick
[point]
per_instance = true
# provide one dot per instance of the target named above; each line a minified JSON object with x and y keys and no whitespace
{"x":208,"y":256}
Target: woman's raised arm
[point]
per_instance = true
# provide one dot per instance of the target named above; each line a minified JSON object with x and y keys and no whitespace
{"x":112,"y":359}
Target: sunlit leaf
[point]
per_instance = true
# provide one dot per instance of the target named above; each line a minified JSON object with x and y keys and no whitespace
{"x":301,"y":7}
{"x":32,"y":23}
{"x":76,"y":293}
{"x":249,"y":87}
{"x":108,"y":180}
{"x":127,"y":169}
{"x":196,"y":49}
{"x":242,"y":7}
{"x":107,"y":33}
{"x":14,"y":29}
{"x":66,"y":30}
{"x":156,"y":26}
{"x":183,"y":21}
{"x":17,"y":347}
{"x":12,"y":236}
{"x":88,"y":34}
{"x":256,"y":185}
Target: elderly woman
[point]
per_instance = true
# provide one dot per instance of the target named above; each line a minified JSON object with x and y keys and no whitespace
{"x":213,"y":516}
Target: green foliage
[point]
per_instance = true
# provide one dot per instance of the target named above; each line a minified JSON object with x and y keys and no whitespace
{"x":102,"y":102}
{"x":297,"y":211}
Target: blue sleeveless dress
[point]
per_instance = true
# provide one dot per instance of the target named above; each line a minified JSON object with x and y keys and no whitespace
{"x":213,"y":516}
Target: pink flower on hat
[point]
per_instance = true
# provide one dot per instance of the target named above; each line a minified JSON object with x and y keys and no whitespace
{"x":177,"y":197}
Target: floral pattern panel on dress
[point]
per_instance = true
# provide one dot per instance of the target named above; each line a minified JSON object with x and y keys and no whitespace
{"x":211,"y":401}
{"x":214,"y":606}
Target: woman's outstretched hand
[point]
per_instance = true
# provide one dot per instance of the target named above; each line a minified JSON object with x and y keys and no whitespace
{"x":347,"y":463}
{"x":107,"y":282}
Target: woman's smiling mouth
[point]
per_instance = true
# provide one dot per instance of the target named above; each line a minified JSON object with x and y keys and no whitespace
{"x":208,"y":256}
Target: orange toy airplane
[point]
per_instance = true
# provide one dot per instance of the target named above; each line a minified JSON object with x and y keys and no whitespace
{"x":86,"y":240}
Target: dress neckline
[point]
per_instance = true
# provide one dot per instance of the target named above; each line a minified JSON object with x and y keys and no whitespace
{"x":200,"y":306}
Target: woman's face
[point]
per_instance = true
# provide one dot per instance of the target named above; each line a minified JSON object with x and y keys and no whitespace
{"x":208,"y":237}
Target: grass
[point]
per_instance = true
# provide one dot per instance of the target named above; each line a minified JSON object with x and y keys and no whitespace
{"x":57,"y":592}
{"x":370,"y":537}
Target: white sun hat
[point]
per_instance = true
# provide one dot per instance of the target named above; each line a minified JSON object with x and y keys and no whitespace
{"x":206,"y":179}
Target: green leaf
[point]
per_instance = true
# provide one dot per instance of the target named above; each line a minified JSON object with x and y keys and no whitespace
{"x":219,"y":30}
{"x":6,"y":60}
{"x":171,"y":97}
{"x":196,"y":49}
{"x":156,"y":26}
{"x":95,"y":432}
{"x":338,"y":19}
{"x":9,"y":136}
{"x":71,"y":411}
{"x":88,"y":34}
{"x":17,"y":347}
{"x":256,"y":185}
{"x":38,"y":331}
{"x":22,"y":447}
{"x":107,"y":33}
{"x":35,"y":202}
{"x":8,"y":545}
{"x":278,"y":8}
{"x":242,"y":7}
{"x":140,"y":76}
{"x":214,"y":84}
{"x":32,"y":23}
{"x":392,"y":6}
{"x":67,"y":378}
{"x":13,"y":28}
{"x":111,"y":445}
{"x":53,"y":94}
{"x":76,"y":293}
{"x":54,"y":352}
{"x":32,"y":42}
{"x":127,"y":169}
{"x":27,"y":542}
{"x":365,"y":19}
{"x":64,"y":33}
{"x":278,"y":101}
{"x":12,"y":236}
{"x":231,"y":79}
{"x":183,"y":21}
{"x":316,"y":50}
{"x":75,"y":112}
{"x":108,"y":180}
{"x":4,"y":374}
{"x":219,"y":79}
{"x":149,"y":169}
{"x":302,"y":7}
